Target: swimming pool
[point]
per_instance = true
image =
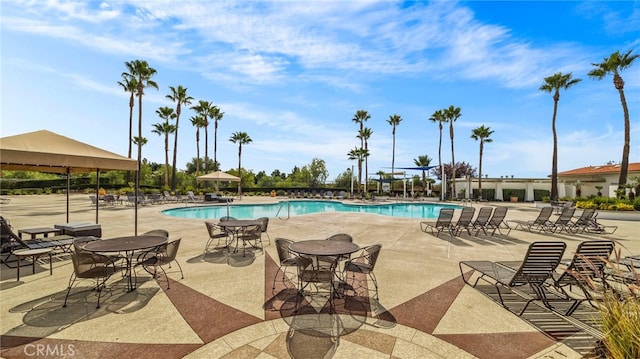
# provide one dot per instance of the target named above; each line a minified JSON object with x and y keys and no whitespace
{"x":296,"y":208}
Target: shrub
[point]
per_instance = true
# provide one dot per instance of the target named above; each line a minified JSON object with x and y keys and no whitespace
{"x":636,"y":204}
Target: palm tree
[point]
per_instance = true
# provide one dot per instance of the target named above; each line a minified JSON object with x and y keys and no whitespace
{"x":481,"y":133}
{"x":180,"y":97}
{"x":203,"y":109}
{"x":360,"y":118}
{"x":614,"y":64}
{"x":394,"y":120}
{"x":129,"y":84}
{"x":216,"y":115}
{"x":240,"y":138}
{"x":439,"y":118}
{"x":364,"y":135}
{"x":423,"y":161}
{"x":358,"y":154}
{"x":165,"y":128}
{"x":142,"y":72}
{"x":452,"y":114}
{"x":381,"y":175}
{"x":198,"y":122}
{"x":553,"y":84}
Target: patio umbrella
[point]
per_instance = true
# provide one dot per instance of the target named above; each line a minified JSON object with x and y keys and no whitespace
{"x":45,"y":151}
{"x":218,"y":176}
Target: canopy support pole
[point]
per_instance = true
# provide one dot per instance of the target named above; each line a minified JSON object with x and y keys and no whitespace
{"x":68,"y":189}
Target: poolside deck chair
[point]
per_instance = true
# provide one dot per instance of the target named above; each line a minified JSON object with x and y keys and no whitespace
{"x":586,"y":269}
{"x":536,"y":268}
{"x":12,"y":242}
{"x":562,"y":223}
{"x":442,"y":223}
{"x":480,"y":223}
{"x":537,"y":224}
{"x":497,"y":222}
{"x":580,"y":224}
{"x":465,"y":222}
{"x":592,"y":226}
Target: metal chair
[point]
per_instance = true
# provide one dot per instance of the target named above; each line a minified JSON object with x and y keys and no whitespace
{"x":248,"y":234}
{"x":216,"y":233}
{"x":264,"y":226}
{"x":286,"y":259}
{"x":164,"y":255}
{"x":88,"y":265}
{"x":363,"y":264}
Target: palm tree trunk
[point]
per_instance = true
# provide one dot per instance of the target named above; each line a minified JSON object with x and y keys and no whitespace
{"x":239,"y":169}
{"x":480,"y":171}
{"x":215,"y":145}
{"x":622,"y":180}
{"x":166,"y":160}
{"x":443,"y":185}
{"x":206,"y":148}
{"x":554,"y":161}
{"x":175,"y":152}
{"x":131,"y":104}
{"x":454,"y":194}
{"x":393,"y":157}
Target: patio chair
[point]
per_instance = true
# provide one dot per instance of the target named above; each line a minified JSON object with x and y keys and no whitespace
{"x":562,"y":223}
{"x":168,"y":197}
{"x":265,"y":226}
{"x":464,"y":222}
{"x":216,"y":233}
{"x":286,"y":259}
{"x":330,"y":261}
{"x":78,"y":247}
{"x":537,"y":267}
{"x":585,"y":269}
{"x":157,"y":258}
{"x":251,"y":234}
{"x":442,"y":223}
{"x":483,"y":217}
{"x":497,"y":222}
{"x":88,"y":265}
{"x":363,"y":265}
{"x":591,"y":225}
{"x":540,"y":222}
{"x":319,"y":277}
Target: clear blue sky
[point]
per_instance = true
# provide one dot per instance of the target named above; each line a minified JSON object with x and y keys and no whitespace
{"x":293,"y":74}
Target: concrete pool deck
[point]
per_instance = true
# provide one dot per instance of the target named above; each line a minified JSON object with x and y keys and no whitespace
{"x":224,"y":306}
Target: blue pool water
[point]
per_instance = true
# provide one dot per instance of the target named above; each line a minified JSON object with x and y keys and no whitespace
{"x":296,"y":208}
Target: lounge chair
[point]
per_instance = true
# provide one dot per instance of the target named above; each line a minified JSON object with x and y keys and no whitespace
{"x":168,"y":197}
{"x":587,"y":267}
{"x":442,"y":223}
{"x":480,"y":223}
{"x":591,"y":225}
{"x":465,"y":222}
{"x":341,"y":195}
{"x":497,"y":222}
{"x":537,"y":224}
{"x":11,"y":242}
{"x":537,"y":267}
{"x":562,"y":223}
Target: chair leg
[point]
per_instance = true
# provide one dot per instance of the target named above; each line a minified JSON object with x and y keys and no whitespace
{"x":71,"y":281}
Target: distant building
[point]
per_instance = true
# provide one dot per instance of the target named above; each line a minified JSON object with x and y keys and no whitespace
{"x":604,"y":175}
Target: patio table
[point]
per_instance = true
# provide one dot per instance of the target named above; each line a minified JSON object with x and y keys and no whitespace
{"x":40,"y":230}
{"x":128,"y":246}
{"x":235,"y":226}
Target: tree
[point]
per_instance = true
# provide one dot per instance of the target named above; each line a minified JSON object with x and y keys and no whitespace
{"x":365,"y":134}
{"x":614,"y":64}
{"x":319,"y":173}
{"x":198,"y":122}
{"x":481,"y":133}
{"x":216,"y":115}
{"x":360,"y":118}
{"x":423,"y":161}
{"x":439,"y":118}
{"x":203,"y":109}
{"x":452,"y":114}
{"x":462,"y":169}
{"x":241,"y":138}
{"x":394,"y":120}
{"x":165,"y":128}
{"x":554,"y":84}
{"x":180,"y":97}
{"x":129,"y":84}
{"x":358,"y":154}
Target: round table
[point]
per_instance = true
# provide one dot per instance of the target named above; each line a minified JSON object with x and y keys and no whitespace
{"x":323,"y":247}
{"x":128,"y":245}
{"x":34,"y":254}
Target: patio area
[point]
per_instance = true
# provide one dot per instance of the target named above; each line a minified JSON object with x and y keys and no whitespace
{"x":224,"y":306}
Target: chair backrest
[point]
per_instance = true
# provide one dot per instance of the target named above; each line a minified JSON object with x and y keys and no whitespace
{"x":157,"y":232}
{"x":264,"y":223}
{"x":282,"y":245}
{"x":340,"y":237}
{"x":543,"y":216}
{"x":370,"y":254}
{"x":589,"y":261}
{"x":253,"y":231}
{"x":466,"y":216}
{"x":214,"y":230}
{"x":484,"y":214}
{"x":566,"y":216}
{"x":539,"y":264}
{"x":445,"y":217}
{"x":498,"y":216}
{"x":226,"y":218}
{"x":586,"y":216}
{"x":6,"y":230}
{"x":79,"y":242}
{"x":171,"y":250}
